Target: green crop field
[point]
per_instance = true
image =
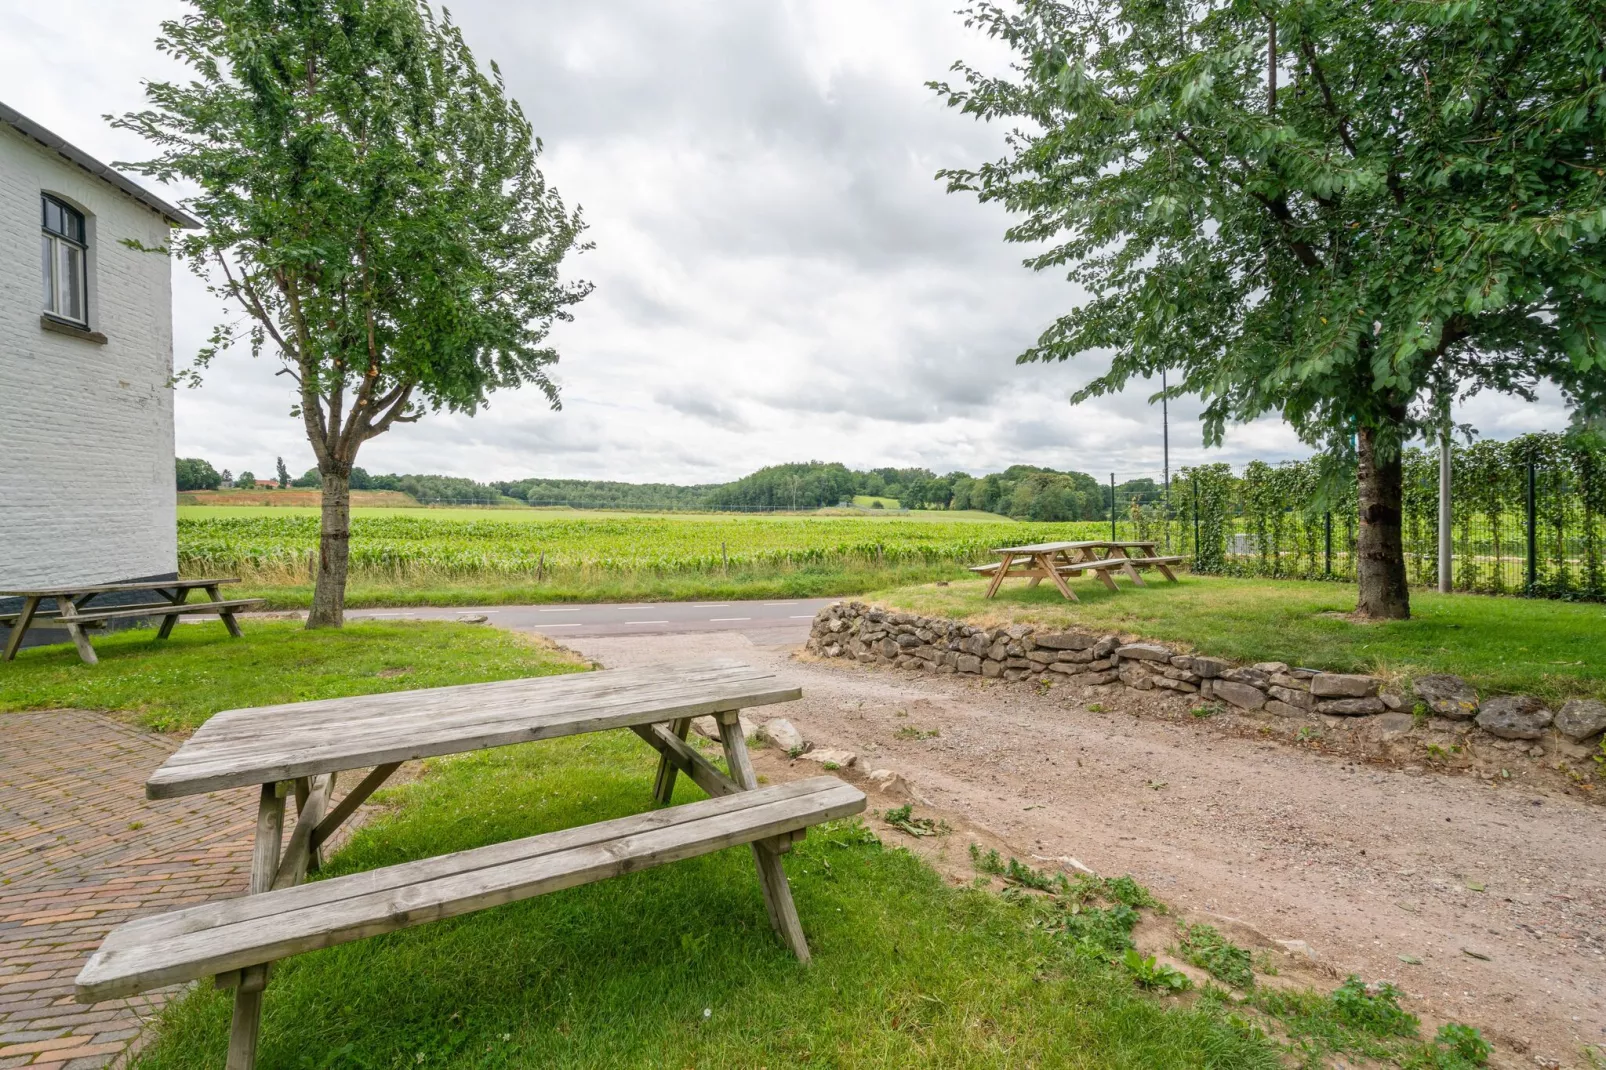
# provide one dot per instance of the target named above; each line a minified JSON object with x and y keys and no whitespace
{"x":269,"y":544}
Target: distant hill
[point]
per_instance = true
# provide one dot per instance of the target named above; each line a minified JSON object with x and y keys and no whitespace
{"x":1024,"y":492}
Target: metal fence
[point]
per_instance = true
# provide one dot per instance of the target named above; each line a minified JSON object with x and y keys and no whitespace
{"x":1528,"y":517}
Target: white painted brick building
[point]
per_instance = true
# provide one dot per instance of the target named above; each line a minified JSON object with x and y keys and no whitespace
{"x":86,"y":356}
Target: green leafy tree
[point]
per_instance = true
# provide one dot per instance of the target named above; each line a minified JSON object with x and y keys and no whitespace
{"x":283,"y":473}
{"x":308,"y":479}
{"x":1340,"y":211}
{"x":374,"y":209}
{"x":245,"y":480}
{"x":196,"y":474}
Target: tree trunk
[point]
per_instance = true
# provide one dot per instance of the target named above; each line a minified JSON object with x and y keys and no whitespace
{"x":334,"y":549}
{"x":1379,"y":548}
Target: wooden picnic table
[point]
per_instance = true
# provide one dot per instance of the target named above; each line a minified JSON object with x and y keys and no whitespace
{"x":74,"y":613}
{"x":298,"y":749}
{"x":1057,"y":560}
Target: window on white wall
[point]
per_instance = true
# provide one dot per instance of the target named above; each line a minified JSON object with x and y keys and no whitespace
{"x":62,"y":251}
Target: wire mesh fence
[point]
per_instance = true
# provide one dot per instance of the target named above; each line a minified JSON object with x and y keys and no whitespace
{"x":1528,"y":517}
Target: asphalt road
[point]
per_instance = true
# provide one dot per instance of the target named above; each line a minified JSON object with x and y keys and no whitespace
{"x":776,"y":622}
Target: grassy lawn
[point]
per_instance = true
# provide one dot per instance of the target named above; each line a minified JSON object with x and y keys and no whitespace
{"x":677,"y":966}
{"x":1517,"y":645}
{"x":177,"y":684}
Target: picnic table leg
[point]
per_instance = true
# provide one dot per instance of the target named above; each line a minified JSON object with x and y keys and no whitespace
{"x":178,"y":598}
{"x":998,"y":577}
{"x":248,"y":993}
{"x":663,"y":785}
{"x":1059,"y":581}
{"x":771,"y":877}
{"x":30,"y":606}
{"x":227,"y":615}
{"x":67,"y":613}
{"x":1132,"y":573}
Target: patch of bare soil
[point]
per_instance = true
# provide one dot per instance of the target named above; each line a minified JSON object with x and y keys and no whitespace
{"x":1497,"y":886}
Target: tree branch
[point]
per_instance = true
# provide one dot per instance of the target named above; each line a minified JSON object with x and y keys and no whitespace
{"x":1309,"y":51}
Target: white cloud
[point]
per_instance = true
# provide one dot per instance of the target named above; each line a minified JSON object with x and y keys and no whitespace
{"x":778,"y":275}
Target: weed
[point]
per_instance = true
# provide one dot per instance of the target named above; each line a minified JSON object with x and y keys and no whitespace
{"x":1015,"y":871}
{"x":829,"y":766}
{"x":1457,"y":1047}
{"x":1307,"y":733}
{"x":909,"y":731}
{"x":1266,"y":963}
{"x":1374,"y":1009}
{"x":1419,"y":715}
{"x":1151,"y":974}
{"x":1125,"y":890}
{"x":1206,"y":948}
{"x":1201,"y":712}
{"x":1095,"y":707}
{"x":1437,"y":753}
{"x":903,"y":819}
{"x":1100,"y":932}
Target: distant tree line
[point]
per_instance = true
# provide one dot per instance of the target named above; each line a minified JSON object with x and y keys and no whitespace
{"x":1021,"y":491}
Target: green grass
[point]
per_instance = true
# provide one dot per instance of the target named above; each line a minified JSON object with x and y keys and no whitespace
{"x":820,"y":582}
{"x":179,"y":683}
{"x":678,"y":967}
{"x":1509,"y":645}
{"x":546,"y":514}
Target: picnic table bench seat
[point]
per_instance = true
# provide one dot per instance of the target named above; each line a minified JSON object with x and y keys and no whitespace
{"x":1078,"y":566}
{"x":222,"y":938}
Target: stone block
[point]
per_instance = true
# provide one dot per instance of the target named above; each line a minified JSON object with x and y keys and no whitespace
{"x":1515,"y":717}
{"x":1350,"y":707}
{"x":1290,"y":681}
{"x":1271,"y":667}
{"x":1343,"y":685}
{"x":1447,"y":696}
{"x":1136,"y":678}
{"x":1253,"y":677}
{"x":1581,"y":718}
{"x":999,"y":650}
{"x":1242,"y":695}
{"x":1282,"y":709}
{"x":1144,"y":652}
{"x":968,"y":663}
{"x":1204,"y":667}
{"x":1106,"y":646}
{"x":1065,"y":641}
{"x":992,"y":669}
{"x":1175,"y":685}
{"x":1298,"y":699}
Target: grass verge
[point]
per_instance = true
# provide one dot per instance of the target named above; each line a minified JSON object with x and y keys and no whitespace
{"x":1509,"y":645}
{"x":176,"y":684}
{"x":677,"y":966}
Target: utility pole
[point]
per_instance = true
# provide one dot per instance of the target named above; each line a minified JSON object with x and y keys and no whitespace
{"x":1165,"y":454}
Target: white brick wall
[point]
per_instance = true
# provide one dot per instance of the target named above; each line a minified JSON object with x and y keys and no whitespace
{"x":86,"y":430}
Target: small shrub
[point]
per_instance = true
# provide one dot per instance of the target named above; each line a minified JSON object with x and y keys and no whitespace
{"x":909,"y":731}
{"x":1095,"y":707}
{"x":1151,"y":974}
{"x":1206,"y":948}
{"x":1373,"y":1010}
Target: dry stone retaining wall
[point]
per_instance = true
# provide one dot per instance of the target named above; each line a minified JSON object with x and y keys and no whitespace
{"x":875,"y":635}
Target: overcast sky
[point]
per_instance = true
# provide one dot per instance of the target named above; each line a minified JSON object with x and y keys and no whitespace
{"x":778,"y":276}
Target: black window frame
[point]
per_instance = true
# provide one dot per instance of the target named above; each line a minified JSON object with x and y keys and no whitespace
{"x":74,"y":230}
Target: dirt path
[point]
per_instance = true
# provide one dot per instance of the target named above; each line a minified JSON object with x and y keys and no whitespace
{"x":1364,"y":863}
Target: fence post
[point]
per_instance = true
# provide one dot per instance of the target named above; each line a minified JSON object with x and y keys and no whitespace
{"x":1533,"y":542}
{"x":1446,"y":548}
{"x":1195,"y":482}
{"x":1113,"y":536}
{"x":1328,"y":524}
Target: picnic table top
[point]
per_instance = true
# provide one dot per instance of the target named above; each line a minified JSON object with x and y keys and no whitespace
{"x":1086,"y":544}
{"x":106,"y":588}
{"x":265,"y":744}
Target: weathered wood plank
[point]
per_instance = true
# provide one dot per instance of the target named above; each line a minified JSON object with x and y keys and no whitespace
{"x":240,"y":747}
{"x":675,"y":749}
{"x":663,"y":784}
{"x":253,"y":977}
{"x":324,"y":914}
{"x":19,"y":627}
{"x":353,"y":799}
{"x":298,"y":856}
{"x":110,"y":588}
{"x":169,"y":609}
{"x":766,"y":858}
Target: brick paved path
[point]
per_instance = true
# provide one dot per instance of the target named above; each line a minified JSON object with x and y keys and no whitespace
{"x":82,"y":850}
